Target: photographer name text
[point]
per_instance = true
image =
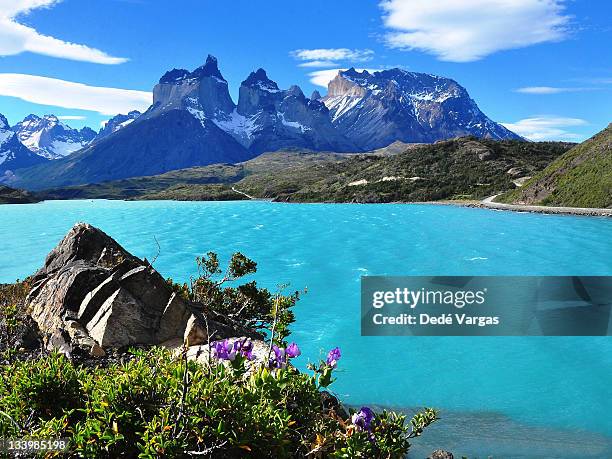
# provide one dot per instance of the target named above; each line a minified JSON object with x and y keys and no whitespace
{"x":412,"y":299}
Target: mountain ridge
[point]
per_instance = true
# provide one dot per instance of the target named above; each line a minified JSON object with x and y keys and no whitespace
{"x":361,"y":112}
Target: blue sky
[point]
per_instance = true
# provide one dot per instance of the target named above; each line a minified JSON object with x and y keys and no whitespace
{"x":543,"y":67}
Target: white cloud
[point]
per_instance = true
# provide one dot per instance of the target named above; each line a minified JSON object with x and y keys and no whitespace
{"x":549,"y":90}
{"x":468,"y":30}
{"x":323,"y":77}
{"x":16,"y":38}
{"x":67,"y":94}
{"x":540,"y":128}
{"x":333,"y":54}
{"x":320,"y":64}
{"x":71,"y":117}
{"x":327,"y":57}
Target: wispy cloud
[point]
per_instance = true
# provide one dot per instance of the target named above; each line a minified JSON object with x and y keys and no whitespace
{"x":549,"y":90}
{"x":16,"y":38}
{"x":68,"y":94}
{"x":319,"y":64}
{"x":327,"y":57}
{"x":468,"y":30}
{"x":597,"y":80}
{"x":547,"y":127}
{"x":328,"y":54}
{"x":323,"y":77}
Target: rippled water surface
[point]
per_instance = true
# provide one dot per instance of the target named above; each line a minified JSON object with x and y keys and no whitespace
{"x":495,"y":383}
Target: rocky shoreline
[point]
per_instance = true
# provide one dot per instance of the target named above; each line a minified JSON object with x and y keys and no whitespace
{"x":489,"y":203}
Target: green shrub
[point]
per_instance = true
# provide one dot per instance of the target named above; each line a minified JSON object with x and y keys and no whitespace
{"x":12,"y":300}
{"x":247,"y":305}
{"x":143,"y":408}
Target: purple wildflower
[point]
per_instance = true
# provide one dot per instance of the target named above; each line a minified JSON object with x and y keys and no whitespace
{"x":224,"y":350}
{"x":279,"y":360}
{"x":362,"y":419}
{"x":244,"y":347}
{"x":293,"y":351}
{"x":333,"y":356}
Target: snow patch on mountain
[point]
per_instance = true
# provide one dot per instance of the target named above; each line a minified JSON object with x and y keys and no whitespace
{"x":197,"y":114}
{"x":339,"y":105}
{"x":239,"y":126}
{"x":293,"y":124}
{"x":5,"y":136}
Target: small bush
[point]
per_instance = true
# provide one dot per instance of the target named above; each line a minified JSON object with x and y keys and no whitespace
{"x":246,"y":305}
{"x":141,"y":409}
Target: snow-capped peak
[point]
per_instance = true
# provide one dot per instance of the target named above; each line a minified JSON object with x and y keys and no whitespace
{"x":13,"y":154}
{"x":50,"y":138}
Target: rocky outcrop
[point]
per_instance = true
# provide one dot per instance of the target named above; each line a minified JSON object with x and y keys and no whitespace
{"x":284,"y":118}
{"x":92,"y":294}
{"x":204,"y":87}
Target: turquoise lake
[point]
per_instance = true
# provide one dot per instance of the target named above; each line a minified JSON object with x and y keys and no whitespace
{"x":497,"y":395}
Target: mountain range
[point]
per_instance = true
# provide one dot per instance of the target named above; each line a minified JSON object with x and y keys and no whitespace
{"x":194,"y":122}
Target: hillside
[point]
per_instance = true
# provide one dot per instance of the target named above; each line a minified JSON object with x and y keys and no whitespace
{"x":464,"y":168}
{"x":457,"y":169}
{"x":202,"y":175}
{"x":582,"y":177}
{"x":13,"y":196}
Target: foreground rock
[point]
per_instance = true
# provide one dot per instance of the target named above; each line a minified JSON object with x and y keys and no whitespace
{"x":92,"y":294}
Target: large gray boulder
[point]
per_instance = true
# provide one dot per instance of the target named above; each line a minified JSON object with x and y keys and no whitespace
{"x":93,"y":293}
{"x":87,"y":244}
